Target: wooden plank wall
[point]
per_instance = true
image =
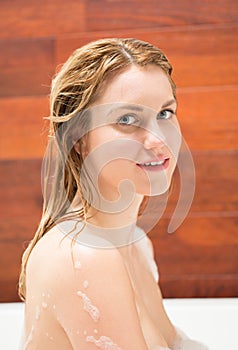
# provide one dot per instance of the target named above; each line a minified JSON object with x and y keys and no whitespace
{"x":200,"y":38}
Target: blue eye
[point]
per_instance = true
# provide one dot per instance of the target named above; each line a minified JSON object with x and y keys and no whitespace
{"x":126,"y":119}
{"x":165,"y":114}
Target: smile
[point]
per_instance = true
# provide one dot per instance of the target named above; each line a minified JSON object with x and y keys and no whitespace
{"x":161,"y":162}
{"x":155,"y":165}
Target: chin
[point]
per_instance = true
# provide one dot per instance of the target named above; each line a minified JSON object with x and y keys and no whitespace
{"x":154,"y":190}
{"x":159,"y":186}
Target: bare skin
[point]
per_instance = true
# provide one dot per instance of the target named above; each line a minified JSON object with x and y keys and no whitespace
{"x":93,"y":297}
{"x":111,"y":279}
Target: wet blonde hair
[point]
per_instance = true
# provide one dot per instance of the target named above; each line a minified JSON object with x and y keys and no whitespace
{"x":74,"y":88}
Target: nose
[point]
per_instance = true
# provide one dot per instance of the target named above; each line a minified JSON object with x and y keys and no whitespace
{"x":153,"y":140}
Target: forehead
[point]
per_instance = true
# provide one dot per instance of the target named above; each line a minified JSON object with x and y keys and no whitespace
{"x":148,"y":86}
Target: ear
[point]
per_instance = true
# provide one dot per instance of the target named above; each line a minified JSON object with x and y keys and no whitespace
{"x":76,"y":146}
{"x":80,"y":147}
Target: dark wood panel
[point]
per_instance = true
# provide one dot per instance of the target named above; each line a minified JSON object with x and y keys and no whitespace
{"x":199,"y":259}
{"x":27,"y":66}
{"x":194,"y":261}
{"x":216,"y":177}
{"x":216,"y":182}
{"x":45,"y":18}
{"x":8,"y":291}
{"x":21,"y":195}
{"x":220,"y":286}
{"x":10,"y":262}
{"x":101,"y":14}
{"x":21,"y":205}
{"x":200,"y":246}
{"x":214,"y":190}
{"x":203,"y":115}
{"x":21,"y":228}
{"x":214,"y":196}
{"x":200,"y":56}
{"x":23,"y":128}
{"x":200,"y":38}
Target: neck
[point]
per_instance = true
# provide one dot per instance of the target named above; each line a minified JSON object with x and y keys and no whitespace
{"x":118,"y":218}
{"x":110,"y":215}
{"x":117,"y":227}
{"x":115,"y":223}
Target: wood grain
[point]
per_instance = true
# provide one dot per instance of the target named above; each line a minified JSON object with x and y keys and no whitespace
{"x":214,"y":195}
{"x":41,"y":19}
{"x":23,"y":128}
{"x":20,"y":183}
{"x":202,"y":116}
{"x":201,"y":253}
{"x":216,"y":181}
{"x":27,"y":66}
{"x":203,"y":57}
{"x":218,"y":286}
{"x":200,"y":258}
{"x":10,"y":262}
{"x":54,"y":18}
{"x":142,"y":14}
{"x":200,"y":39}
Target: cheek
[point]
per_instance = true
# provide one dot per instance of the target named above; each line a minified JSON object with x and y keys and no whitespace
{"x":109,"y":148}
{"x":100,"y":137}
{"x":173,"y":138}
{"x":117,"y":170}
{"x":92,"y":140}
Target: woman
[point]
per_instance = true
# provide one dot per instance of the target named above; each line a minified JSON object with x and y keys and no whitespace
{"x":88,"y":277}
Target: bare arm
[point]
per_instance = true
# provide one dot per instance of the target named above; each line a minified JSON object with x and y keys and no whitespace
{"x":95,"y":301}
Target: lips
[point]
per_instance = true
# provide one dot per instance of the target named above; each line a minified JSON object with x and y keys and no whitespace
{"x":155,"y":164}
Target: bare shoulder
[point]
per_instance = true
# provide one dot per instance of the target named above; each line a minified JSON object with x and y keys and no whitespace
{"x":58,"y":259}
{"x":89,"y":287}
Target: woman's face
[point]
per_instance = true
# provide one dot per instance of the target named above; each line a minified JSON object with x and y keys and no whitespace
{"x":134,"y":136}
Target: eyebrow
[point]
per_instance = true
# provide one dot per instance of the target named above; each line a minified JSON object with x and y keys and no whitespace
{"x":140,"y":108}
{"x":128,"y":106}
{"x":169,"y":103}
